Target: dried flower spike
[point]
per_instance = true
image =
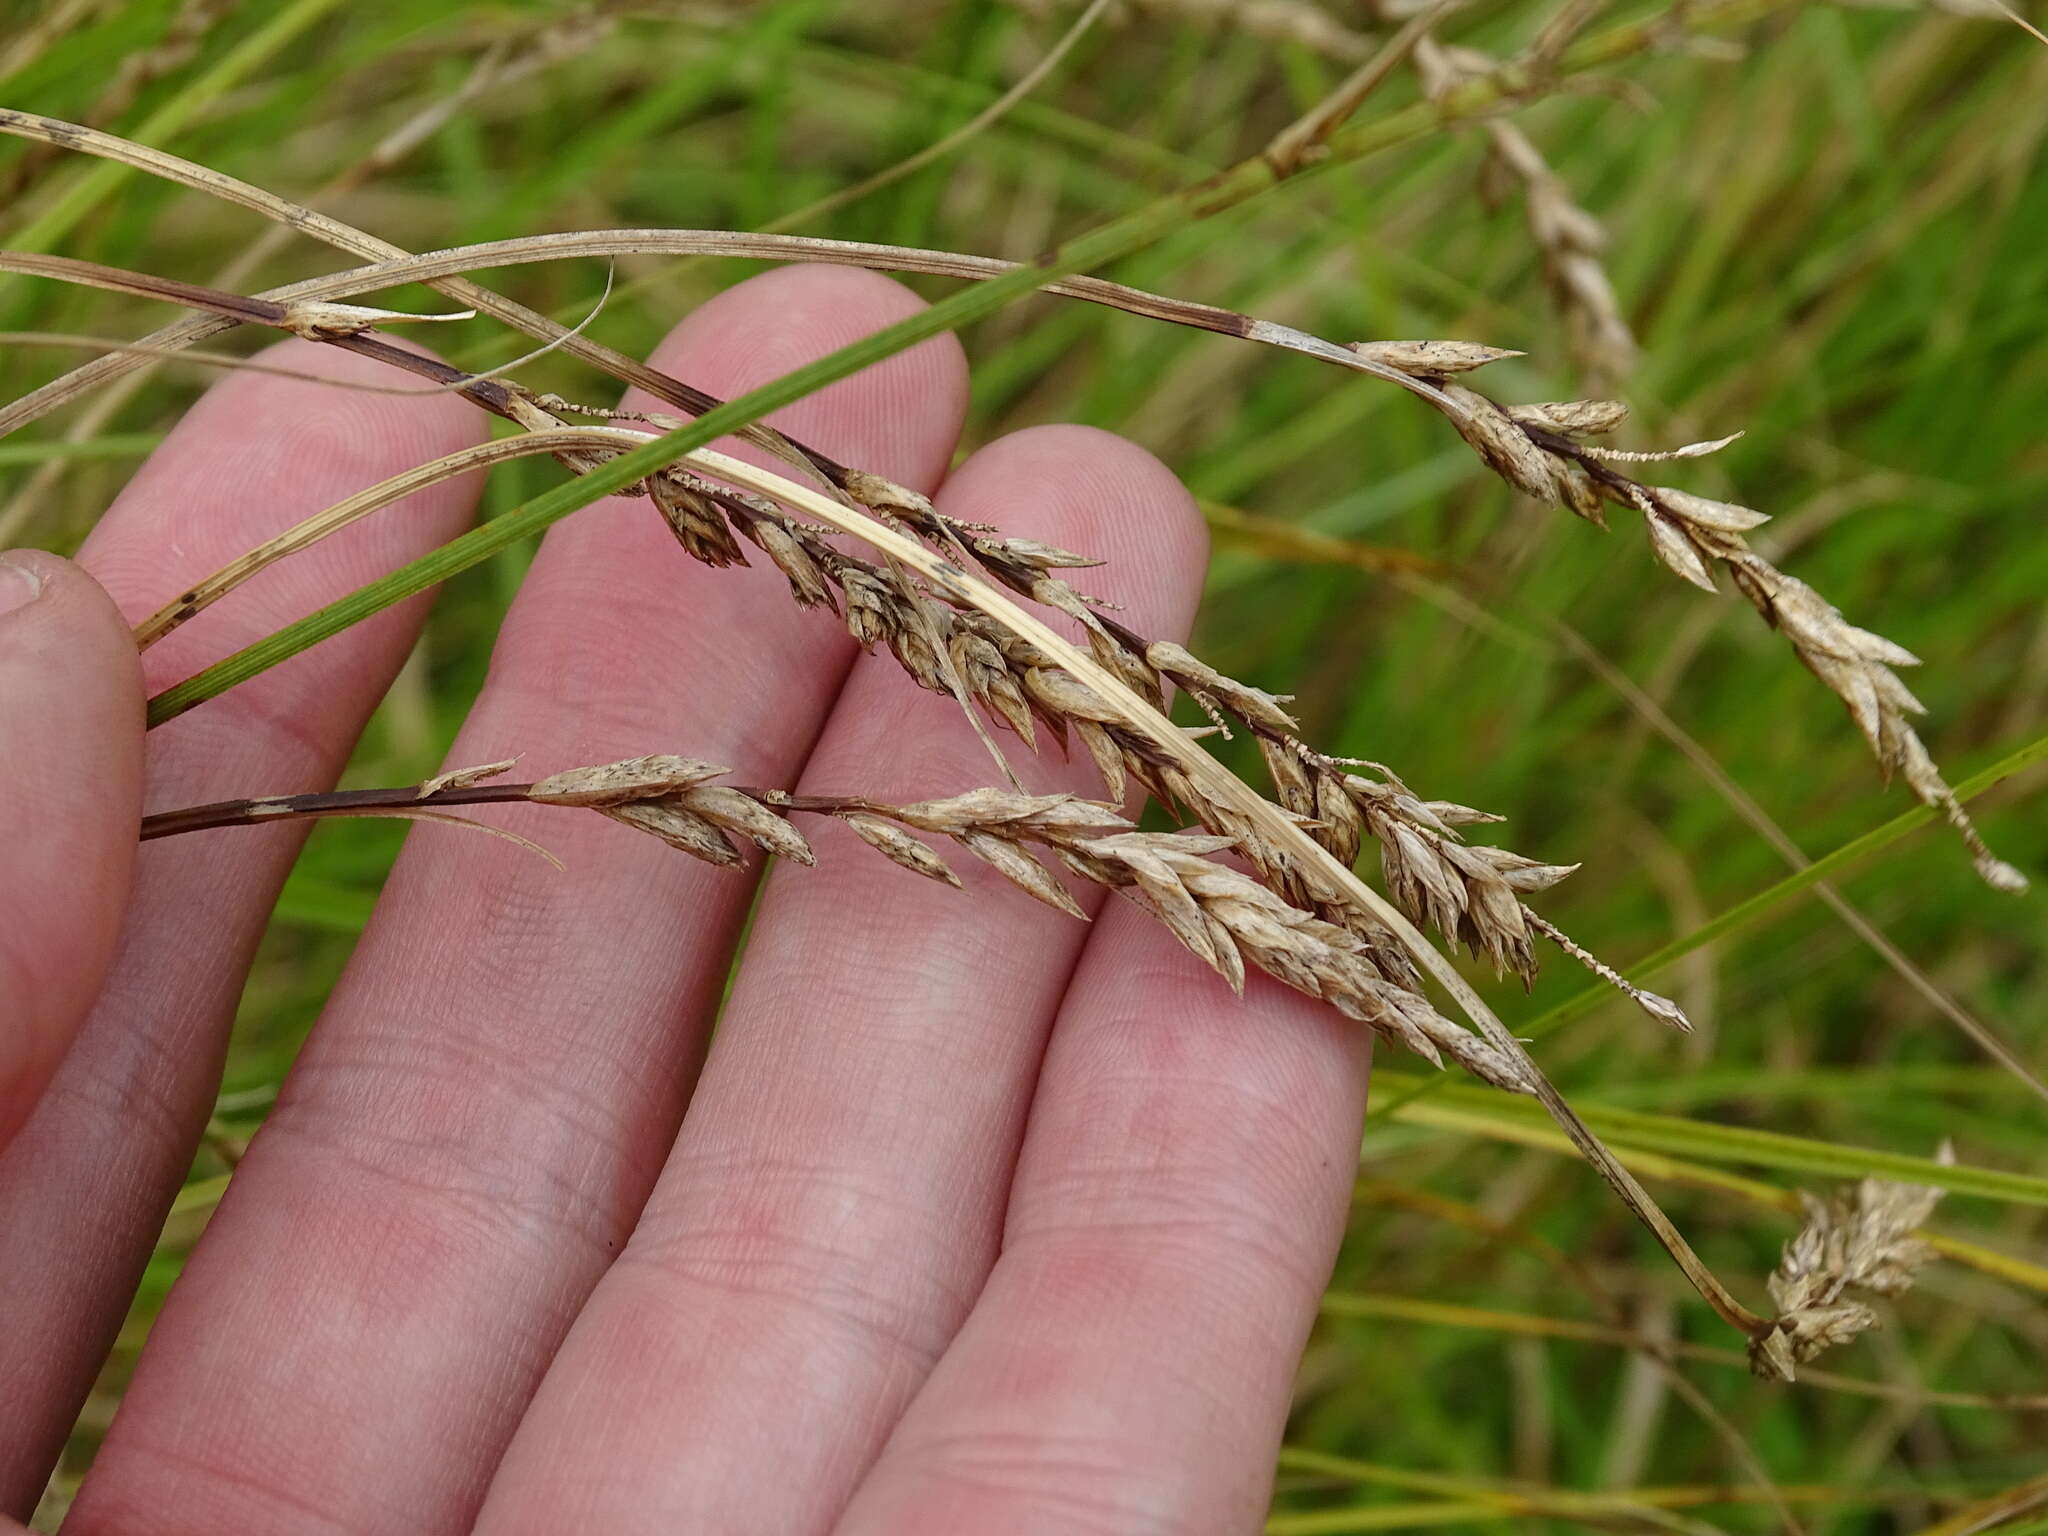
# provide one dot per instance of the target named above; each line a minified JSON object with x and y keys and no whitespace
{"x":1860,"y":1240}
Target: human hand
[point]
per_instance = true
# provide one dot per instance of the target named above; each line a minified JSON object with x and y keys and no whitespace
{"x":979,"y":1218}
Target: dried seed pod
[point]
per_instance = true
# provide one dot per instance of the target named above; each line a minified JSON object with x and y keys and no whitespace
{"x":1020,"y":869}
{"x":1059,"y":694}
{"x":1109,"y":647}
{"x":870,"y":606}
{"x":679,"y":828}
{"x":697,"y":521}
{"x":1029,"y":552}
{"x":637,"y":778}
{"x":1431,"y":358}
{"x":1677,"y":550}
{"x":1523,"y":874}
{"x":989,"y":807}
{"x":988,"y":678}
{"x":1876,"y":648}
{"x":911,"y":644}
{"x":729,"y":808}
{"x":894,"y":502}
{"x":1257,"y":708}
{"x":807,"y":583}
{"x":325,"y":320}
{"x":1705,"y":512}
{"x":1169,"y":899}
{"x":1581,"y":494}
{"x":462,"y":778}
{"x":1571,"y":417}
{"x":1105,"y":754}
{"x":1500,"y":440}
{"x":899,"y":847}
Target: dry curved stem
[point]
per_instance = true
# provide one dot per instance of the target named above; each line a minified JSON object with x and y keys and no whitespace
{"x":437,"y":268}
{"x":75,"y":136}
{"x":302,"y":535}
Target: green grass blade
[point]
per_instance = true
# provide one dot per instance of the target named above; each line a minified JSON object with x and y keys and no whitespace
{"x":1477,"y":1110}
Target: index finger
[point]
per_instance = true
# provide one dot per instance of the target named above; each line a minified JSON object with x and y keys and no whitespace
{"x":71,"y":756}
{"x":84,"y":1187}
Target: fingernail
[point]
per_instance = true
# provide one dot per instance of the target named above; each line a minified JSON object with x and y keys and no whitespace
{"x":19,"y":586}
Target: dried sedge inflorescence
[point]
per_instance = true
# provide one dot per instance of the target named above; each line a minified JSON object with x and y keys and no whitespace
{"x":1570,"y":238}
{"x":1541,"y":450}
{"x":1859,"y":1242}
{"x":1227,"y":918}
{"x":1471,"y":894}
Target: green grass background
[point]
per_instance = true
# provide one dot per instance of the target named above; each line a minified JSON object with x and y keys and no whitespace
{"x":1835,"y":238}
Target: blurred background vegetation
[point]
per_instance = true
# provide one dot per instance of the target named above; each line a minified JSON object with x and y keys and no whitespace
{"x":1830,"y":230}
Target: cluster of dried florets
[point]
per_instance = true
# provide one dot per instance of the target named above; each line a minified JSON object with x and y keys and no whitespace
{"x":1228,"y":918}
{"x":1471,"y":895}
{"x":1541,"y":450}
{"x":1571,"y":239}
{"x":1859,"y":1241}
{"x":945,"y":641}
{"x":1225,"y":917}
